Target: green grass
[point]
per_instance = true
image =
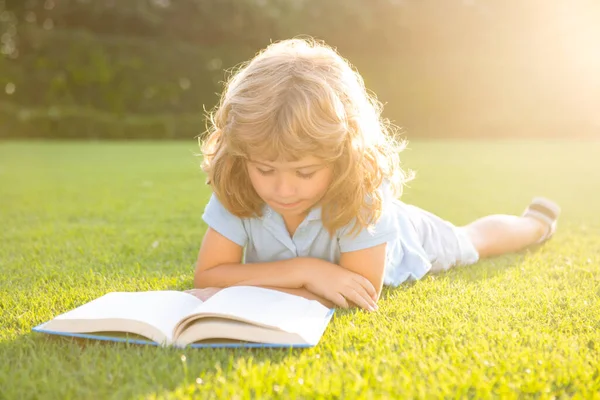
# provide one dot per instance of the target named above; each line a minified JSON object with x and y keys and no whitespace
{"x":82,"y":219}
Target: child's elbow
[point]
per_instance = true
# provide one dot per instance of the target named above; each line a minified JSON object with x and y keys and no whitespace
{"x":198,"y":284}
{"x":200,"y":277}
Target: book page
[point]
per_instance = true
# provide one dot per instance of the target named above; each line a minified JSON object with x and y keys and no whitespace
{"x":161,"y":309}
{"x":270,"y":308}
{"x":222,"y":330}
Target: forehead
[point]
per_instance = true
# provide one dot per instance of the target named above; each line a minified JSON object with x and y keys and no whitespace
{"x":302,"y":162}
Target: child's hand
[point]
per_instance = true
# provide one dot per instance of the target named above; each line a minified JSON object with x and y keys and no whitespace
{"x":340,"y":285}
{"x":203,"y":294}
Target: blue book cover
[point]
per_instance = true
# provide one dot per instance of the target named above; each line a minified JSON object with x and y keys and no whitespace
{"x":242,"y":316}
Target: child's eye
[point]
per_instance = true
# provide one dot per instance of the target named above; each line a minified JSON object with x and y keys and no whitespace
{"x":306,"y":176}
{"x":264,"y":172}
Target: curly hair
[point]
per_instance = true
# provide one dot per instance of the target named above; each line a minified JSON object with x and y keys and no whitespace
{"x":295,"y":98}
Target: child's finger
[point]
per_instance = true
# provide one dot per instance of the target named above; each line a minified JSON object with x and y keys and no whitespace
{"x":339,"y":300}
{"x":367,"y":285}
{"x":361,"y":298}
{"x":366,"y":295}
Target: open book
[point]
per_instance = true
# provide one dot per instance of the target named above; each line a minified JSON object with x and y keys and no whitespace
{"x":236,"y":316}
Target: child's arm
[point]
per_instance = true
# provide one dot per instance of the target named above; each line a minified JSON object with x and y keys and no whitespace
{"x":219,"y":265}
{"x":369,"y":263}
{"x":365,"y":252}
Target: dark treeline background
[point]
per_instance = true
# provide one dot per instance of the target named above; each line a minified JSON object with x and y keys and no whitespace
{"x":443,"y":68}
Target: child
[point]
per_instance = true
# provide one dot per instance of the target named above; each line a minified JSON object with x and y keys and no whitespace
{"x":306,"y":177}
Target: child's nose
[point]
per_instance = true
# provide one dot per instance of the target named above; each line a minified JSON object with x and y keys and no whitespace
{"x":285,"y":188}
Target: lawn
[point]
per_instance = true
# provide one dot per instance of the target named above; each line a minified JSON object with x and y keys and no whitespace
{"x":82,"y":219}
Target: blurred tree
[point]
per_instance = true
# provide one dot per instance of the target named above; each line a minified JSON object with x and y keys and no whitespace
{"x":451,"y":68}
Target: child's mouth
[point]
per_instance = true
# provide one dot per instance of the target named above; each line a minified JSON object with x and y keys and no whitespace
{"x":288,"y":205}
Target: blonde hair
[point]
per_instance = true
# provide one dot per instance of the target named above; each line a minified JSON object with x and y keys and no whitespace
{"x":295,"y":98}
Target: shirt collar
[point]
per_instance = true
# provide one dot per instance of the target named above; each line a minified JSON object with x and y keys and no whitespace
{"x":314,"y":214}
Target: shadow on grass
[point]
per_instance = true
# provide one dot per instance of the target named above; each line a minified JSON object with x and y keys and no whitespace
{"x":485,"y":269}
{"x":63,"y":367}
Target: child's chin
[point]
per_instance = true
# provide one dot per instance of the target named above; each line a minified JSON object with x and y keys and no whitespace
{"x":296,"y":210}
{"x":292,"y":207}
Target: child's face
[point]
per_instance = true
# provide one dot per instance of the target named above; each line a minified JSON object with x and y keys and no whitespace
{"x":290,"y":188}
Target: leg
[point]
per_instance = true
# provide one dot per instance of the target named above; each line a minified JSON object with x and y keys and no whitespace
{"x":499,"y":234}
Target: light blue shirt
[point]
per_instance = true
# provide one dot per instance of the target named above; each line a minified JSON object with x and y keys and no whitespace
{"x":266,"y":238}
